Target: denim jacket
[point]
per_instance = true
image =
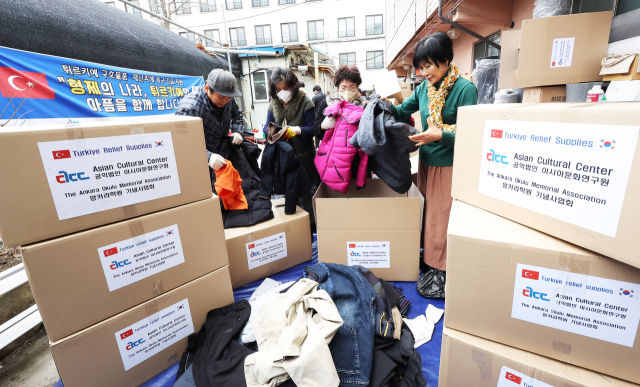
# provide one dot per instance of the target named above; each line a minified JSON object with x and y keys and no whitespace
{"x":352,"y":345}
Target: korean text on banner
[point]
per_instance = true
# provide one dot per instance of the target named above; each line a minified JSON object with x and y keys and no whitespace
{"x":141,"y":340}
{"x":56,"y":87}
{"x":595,"y":307}
{"x":577,"y":173}
{"x":96,"y":174}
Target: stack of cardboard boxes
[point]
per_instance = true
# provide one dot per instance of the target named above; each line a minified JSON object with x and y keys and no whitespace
{"x":543,"y":282}
{"x":551,"y":52}
{"x":121,"y":238}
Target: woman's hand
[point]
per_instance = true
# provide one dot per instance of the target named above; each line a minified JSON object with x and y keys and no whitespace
{"x":432,"y":134}
{"x":384,"y":99}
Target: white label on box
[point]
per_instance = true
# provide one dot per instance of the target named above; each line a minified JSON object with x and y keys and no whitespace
{"x":595,"y":307}
{"x":147,"y":337}
{"x":266,"y":250}
{"x":576,"y":173}
{"x":97,"y":174}
{"x":562,"y":52}
{"x":372,"y":255}
{"x":512,"y":378}
{"x":139,"y":257}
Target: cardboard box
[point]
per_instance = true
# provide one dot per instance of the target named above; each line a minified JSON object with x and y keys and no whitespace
{"x":53,"y":173}
{"x":269,"y":247}
{"x":545,"y":94}
{"x":623,"y":91}
{"x":510,"y":43}
{"x":627,"y":70}
{"x":556,"y":50}
{"x":81,"y":279}
{"x":405,"y":88}
{"x":468,"y":360}
{"x":520,"y":287}
{"x":98,"y":356}
{"x":374,"y":227}
{"x":578,"y":175}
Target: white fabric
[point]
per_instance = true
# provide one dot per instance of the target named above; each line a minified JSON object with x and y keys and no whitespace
{"x":267,"y":289}
{"x":423,"y":325}
{"x":293,"y":330}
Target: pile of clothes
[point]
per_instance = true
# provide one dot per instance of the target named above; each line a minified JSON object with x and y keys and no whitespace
{"x":336,"y":326}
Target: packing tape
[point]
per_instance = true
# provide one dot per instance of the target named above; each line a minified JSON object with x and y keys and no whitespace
{"x":181,"y":127}
{"x":74,"y":132}
{"x":173,"y":359}
{"x":286,"y":228}
{"x":130,"y":211}
{"x":484,"y":360}
{"x":136,"y":129}
{"x":136,"y":228}
{"x":158,"y":288}
{"x":249,"y":237}
{"x":572,"y":264}
{"x":563,"y":348}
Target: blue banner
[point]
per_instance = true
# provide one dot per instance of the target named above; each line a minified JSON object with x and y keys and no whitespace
{"x":36,"y":86}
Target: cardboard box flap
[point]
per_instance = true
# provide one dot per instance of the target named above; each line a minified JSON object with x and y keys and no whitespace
{"x":510,"y":43}
{"x":623,"y":67}
{"x":467,"y":221}
{"x":534,"y":365}
{"x":367,"y":207}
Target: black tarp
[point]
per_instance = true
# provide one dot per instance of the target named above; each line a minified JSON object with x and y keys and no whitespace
{"x":92,"y":31}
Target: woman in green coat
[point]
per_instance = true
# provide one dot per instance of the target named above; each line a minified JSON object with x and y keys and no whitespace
{"x":438,"y":99}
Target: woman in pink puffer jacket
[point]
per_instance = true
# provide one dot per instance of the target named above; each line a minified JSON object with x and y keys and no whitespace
{"x":342,"y":116}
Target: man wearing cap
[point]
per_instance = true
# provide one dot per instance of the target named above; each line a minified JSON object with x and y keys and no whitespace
{"x":220,"y":114}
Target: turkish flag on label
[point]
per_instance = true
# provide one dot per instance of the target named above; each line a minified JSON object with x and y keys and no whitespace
{"x":252,"y":246}
{"x":62,"y":154}
{"x":24,"y":84}
{"x":352,"y":245}
{"x":513,"y":378}
{"x":530,"y":274}
{"x":126,"y":334}
{"x":495,"y":133}
{"x":111,"y":251}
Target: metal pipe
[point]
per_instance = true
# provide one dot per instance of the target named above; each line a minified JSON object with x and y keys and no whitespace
{"x":260,"y":53}
{"x":226,"y":36}
{"x":465,"y":29}
{"x":168,"y":21}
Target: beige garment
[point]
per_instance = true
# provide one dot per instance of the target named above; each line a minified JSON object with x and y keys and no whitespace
{"x":397,"y":322}
{"x":293,"y":331}
{"x":435,"y":185}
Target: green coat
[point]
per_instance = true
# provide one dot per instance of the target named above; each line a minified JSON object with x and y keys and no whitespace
{"x":462,"y":93}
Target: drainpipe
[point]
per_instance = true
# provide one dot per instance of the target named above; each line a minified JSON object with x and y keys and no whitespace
{"x":465,"y":29}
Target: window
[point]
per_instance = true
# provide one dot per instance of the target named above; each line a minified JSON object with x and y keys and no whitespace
{"x":346,"y":27}
{"x":316,"y":29}
{"x":348,"y":58}
{"x":482,"y":49}
{"x":207,"y":5}
{"x":132,"y":10}
{"x":189,"y":36}
{"x":263,"y":35}
{"x":233,"y":4}
{"x":237,"y":37}
{"x":289,"y":32}
{"x":374,"y":25}
{"x":623,"y":6}
{"x":155,"y":6}
{"x":259,"y":3}
{"x":111,"y":3}
{"x":375,"y":59}
{"x":286,"y":1}
{"x":260,"y":81}
{"x":215,"y":35}
{"x":183,"y":7}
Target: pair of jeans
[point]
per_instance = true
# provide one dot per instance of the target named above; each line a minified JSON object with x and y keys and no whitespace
{"x":352,"y":345}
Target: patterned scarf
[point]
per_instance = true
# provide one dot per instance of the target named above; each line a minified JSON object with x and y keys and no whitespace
{"x":437,"y":98}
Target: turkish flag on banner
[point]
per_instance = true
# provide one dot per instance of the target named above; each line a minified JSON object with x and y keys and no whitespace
{"x":19,"y":84}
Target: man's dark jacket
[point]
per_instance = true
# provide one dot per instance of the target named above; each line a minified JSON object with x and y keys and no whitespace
{"x":244,"y":157}
{"x":317,"y":99}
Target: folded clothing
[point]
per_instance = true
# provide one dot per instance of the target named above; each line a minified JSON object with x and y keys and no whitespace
{"x":229,"y":189}
{"x":424,"y":325}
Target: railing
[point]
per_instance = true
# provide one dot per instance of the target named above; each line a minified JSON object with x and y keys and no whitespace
{"x":317,"y":36}
{"x":290,"y":38}
{"x":236,"y":43}
{"x":263,"y":41}
{"x":204,"y":7}
{"x":259,"y":3}
{"x":210,"y":43}
{"x":374,"y":31}
{"x":286,"y":1}
{"x":234,"y":4}
{"x":346,"y":33}
{"x":375,"y":66}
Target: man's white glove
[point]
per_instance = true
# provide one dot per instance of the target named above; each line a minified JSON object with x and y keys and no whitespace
{"x":236,"y":139}
{"x":216,"y":161}
{"x":296,"y":129}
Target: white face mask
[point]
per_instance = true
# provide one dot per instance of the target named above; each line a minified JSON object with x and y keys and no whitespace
{"x":284,"y":95}
{"x":348,"y":95}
